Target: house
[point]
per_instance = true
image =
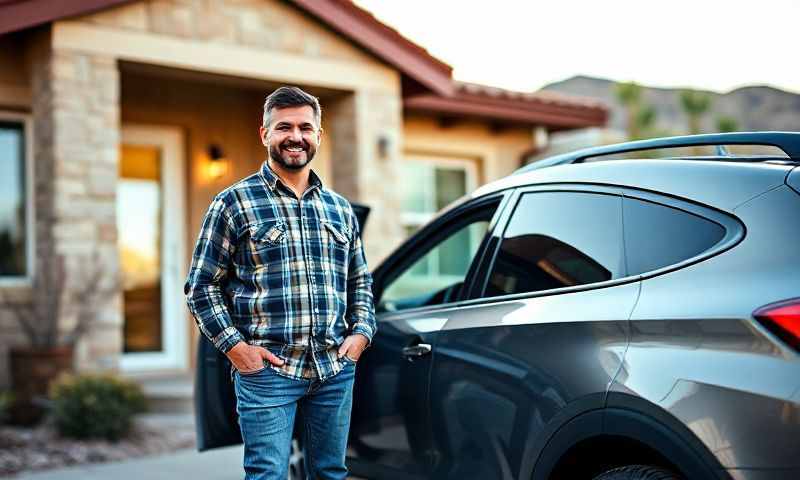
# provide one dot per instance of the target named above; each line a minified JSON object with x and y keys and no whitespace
{"x":120,"y":120}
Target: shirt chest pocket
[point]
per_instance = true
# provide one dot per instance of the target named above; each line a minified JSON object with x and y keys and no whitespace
{"x":337,"y":239}
{"x":267,"y":242}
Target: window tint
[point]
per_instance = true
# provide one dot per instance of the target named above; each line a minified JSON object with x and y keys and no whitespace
{"x":559,"y":239}
{"x":657,"y":236}
{"x":438,"y":274}
{"x":13,"y":225}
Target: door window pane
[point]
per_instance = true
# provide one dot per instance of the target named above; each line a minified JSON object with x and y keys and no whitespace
{"x":415,"y":185}
{"x":559,"y":239}
{"x":430,"y":185}
{"x":13,"y":225}
{"x":451,"y":184}
{"x":139,"y":225}
{"x":657,"y":236}
{"x":437,"y":276}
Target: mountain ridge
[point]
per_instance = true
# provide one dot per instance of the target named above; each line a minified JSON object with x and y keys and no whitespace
{"x":754,"y":107}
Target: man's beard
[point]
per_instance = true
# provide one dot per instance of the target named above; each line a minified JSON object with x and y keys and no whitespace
{"x":276,"y":156}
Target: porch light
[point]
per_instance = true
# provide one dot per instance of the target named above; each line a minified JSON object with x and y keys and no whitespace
{"x":217,"y":166}
{"x":383,"y":147}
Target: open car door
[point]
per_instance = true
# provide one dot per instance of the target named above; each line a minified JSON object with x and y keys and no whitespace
{"x":216,"y":421}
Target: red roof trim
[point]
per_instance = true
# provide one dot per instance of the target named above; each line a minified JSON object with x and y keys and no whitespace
{"x":20,"y":14}
{"x":531,"y":109}
{"x":382,"y":41}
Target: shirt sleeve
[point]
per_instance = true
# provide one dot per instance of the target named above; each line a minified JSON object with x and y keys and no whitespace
{"x":360,"y":307}
{"x":210,"y":263}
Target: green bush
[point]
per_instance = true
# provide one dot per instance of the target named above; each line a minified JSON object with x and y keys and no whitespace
{"x":6,"y":399}
{"x":95,"y":405}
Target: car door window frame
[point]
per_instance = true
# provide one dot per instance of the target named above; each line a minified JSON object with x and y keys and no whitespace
{"x":734,"y":233}
{"x":478,"y":292}
{"x":431,"y":235}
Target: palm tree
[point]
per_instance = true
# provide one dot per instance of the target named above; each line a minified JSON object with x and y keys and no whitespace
{"x":695,"y":104}
{"x":629,"y":95}
{"x":726,"y":123}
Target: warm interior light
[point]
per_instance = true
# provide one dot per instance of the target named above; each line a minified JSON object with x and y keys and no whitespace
{"x":217,"y":166}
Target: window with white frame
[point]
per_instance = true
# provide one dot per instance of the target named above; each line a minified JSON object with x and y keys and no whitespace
{"x":429,"y":184}
{"x":15,"y":228}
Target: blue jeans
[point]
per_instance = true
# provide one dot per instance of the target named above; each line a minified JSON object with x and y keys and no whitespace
{"x":266,"y":404}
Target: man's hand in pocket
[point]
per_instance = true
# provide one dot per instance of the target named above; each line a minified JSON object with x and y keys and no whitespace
{"x":353,"y":346}
{"x":248,"y":358}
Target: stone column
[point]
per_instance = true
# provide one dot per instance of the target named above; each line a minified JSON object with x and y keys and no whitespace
{"x":364,"y":129}
{"x":76,"y":137}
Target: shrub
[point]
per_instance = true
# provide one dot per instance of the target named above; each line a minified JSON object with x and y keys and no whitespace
{"x":6,"y":399}
{"x":95,"y":405}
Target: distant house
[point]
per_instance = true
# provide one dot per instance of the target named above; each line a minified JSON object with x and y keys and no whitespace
{"x":120,"y":120}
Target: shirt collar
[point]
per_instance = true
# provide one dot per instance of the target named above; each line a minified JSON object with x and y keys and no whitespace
{"x":271,"y":178}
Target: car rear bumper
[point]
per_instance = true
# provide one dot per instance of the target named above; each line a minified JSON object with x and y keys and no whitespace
{"x":764,"y":474}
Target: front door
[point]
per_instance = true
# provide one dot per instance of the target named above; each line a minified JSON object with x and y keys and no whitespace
{"x":150,"y":221}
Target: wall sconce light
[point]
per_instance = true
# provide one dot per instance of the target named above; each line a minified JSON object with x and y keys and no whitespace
{"x":217,"y":166}
{"x":383,"y":147}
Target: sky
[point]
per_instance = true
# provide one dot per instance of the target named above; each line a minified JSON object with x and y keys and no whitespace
{"x":525,"y":44}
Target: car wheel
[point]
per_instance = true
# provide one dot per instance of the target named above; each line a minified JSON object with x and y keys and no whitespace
{"x":297,"y":461}
{"x":638,"y":472}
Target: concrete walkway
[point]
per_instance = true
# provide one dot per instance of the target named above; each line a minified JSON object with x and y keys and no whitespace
{"x":218,"y":464}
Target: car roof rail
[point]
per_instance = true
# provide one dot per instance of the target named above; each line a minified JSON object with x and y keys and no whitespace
{"x":788,"y":142}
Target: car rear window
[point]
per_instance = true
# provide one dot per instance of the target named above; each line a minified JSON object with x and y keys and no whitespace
{"x":559,"y":239}
{"x":658,"y":236}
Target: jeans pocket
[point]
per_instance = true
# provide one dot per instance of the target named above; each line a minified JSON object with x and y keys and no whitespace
{"x":252,"y":372}
{"x":345,"y":359}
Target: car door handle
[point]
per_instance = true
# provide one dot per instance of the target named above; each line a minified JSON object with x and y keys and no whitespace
{"x":417,"y":350}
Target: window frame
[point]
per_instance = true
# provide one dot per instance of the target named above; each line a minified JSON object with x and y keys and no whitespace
{"x":734,"y":228}
{"x":431,"y":235}
{"x":25,"y":119}
{"x":734,"y":233}
{"x":469,"y":166}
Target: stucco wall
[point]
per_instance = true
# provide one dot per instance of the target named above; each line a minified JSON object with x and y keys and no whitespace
{"x":498,"y":152}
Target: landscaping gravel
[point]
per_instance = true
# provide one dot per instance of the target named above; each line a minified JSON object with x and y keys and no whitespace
{"x":41,"y":448}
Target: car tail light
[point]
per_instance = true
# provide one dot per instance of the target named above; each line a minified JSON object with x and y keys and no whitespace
{"x":782,"y":319}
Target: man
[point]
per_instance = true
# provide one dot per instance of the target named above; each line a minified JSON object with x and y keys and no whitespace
{"x":279,"y":283}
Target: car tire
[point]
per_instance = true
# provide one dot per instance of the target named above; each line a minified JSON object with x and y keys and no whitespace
{"x":638,"y":472}
{"x":297,"y":461}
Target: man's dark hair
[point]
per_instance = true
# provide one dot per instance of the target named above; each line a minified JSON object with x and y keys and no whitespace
{"x":291,"y":97}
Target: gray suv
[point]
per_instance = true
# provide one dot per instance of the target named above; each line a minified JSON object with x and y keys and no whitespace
{"x":595,"y":316}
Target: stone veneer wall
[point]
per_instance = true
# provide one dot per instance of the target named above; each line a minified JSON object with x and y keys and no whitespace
{"x":260,"y":24}
{"x":76,"y":133}
{"x":75,"y":130}
{"x":363,"y":173}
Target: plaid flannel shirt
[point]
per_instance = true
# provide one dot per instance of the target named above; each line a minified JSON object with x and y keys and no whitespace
{"x":280,"y":272}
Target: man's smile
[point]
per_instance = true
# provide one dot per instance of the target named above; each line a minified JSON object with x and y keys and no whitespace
{"x":294,"y":147}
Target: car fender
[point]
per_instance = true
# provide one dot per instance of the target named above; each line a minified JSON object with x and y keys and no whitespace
{"x":633,"y":418}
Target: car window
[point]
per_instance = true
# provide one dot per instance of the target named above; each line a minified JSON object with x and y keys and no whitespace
{"x":556,"y":240}
{"x":657,"y":235}
{"x":438,"y":273}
